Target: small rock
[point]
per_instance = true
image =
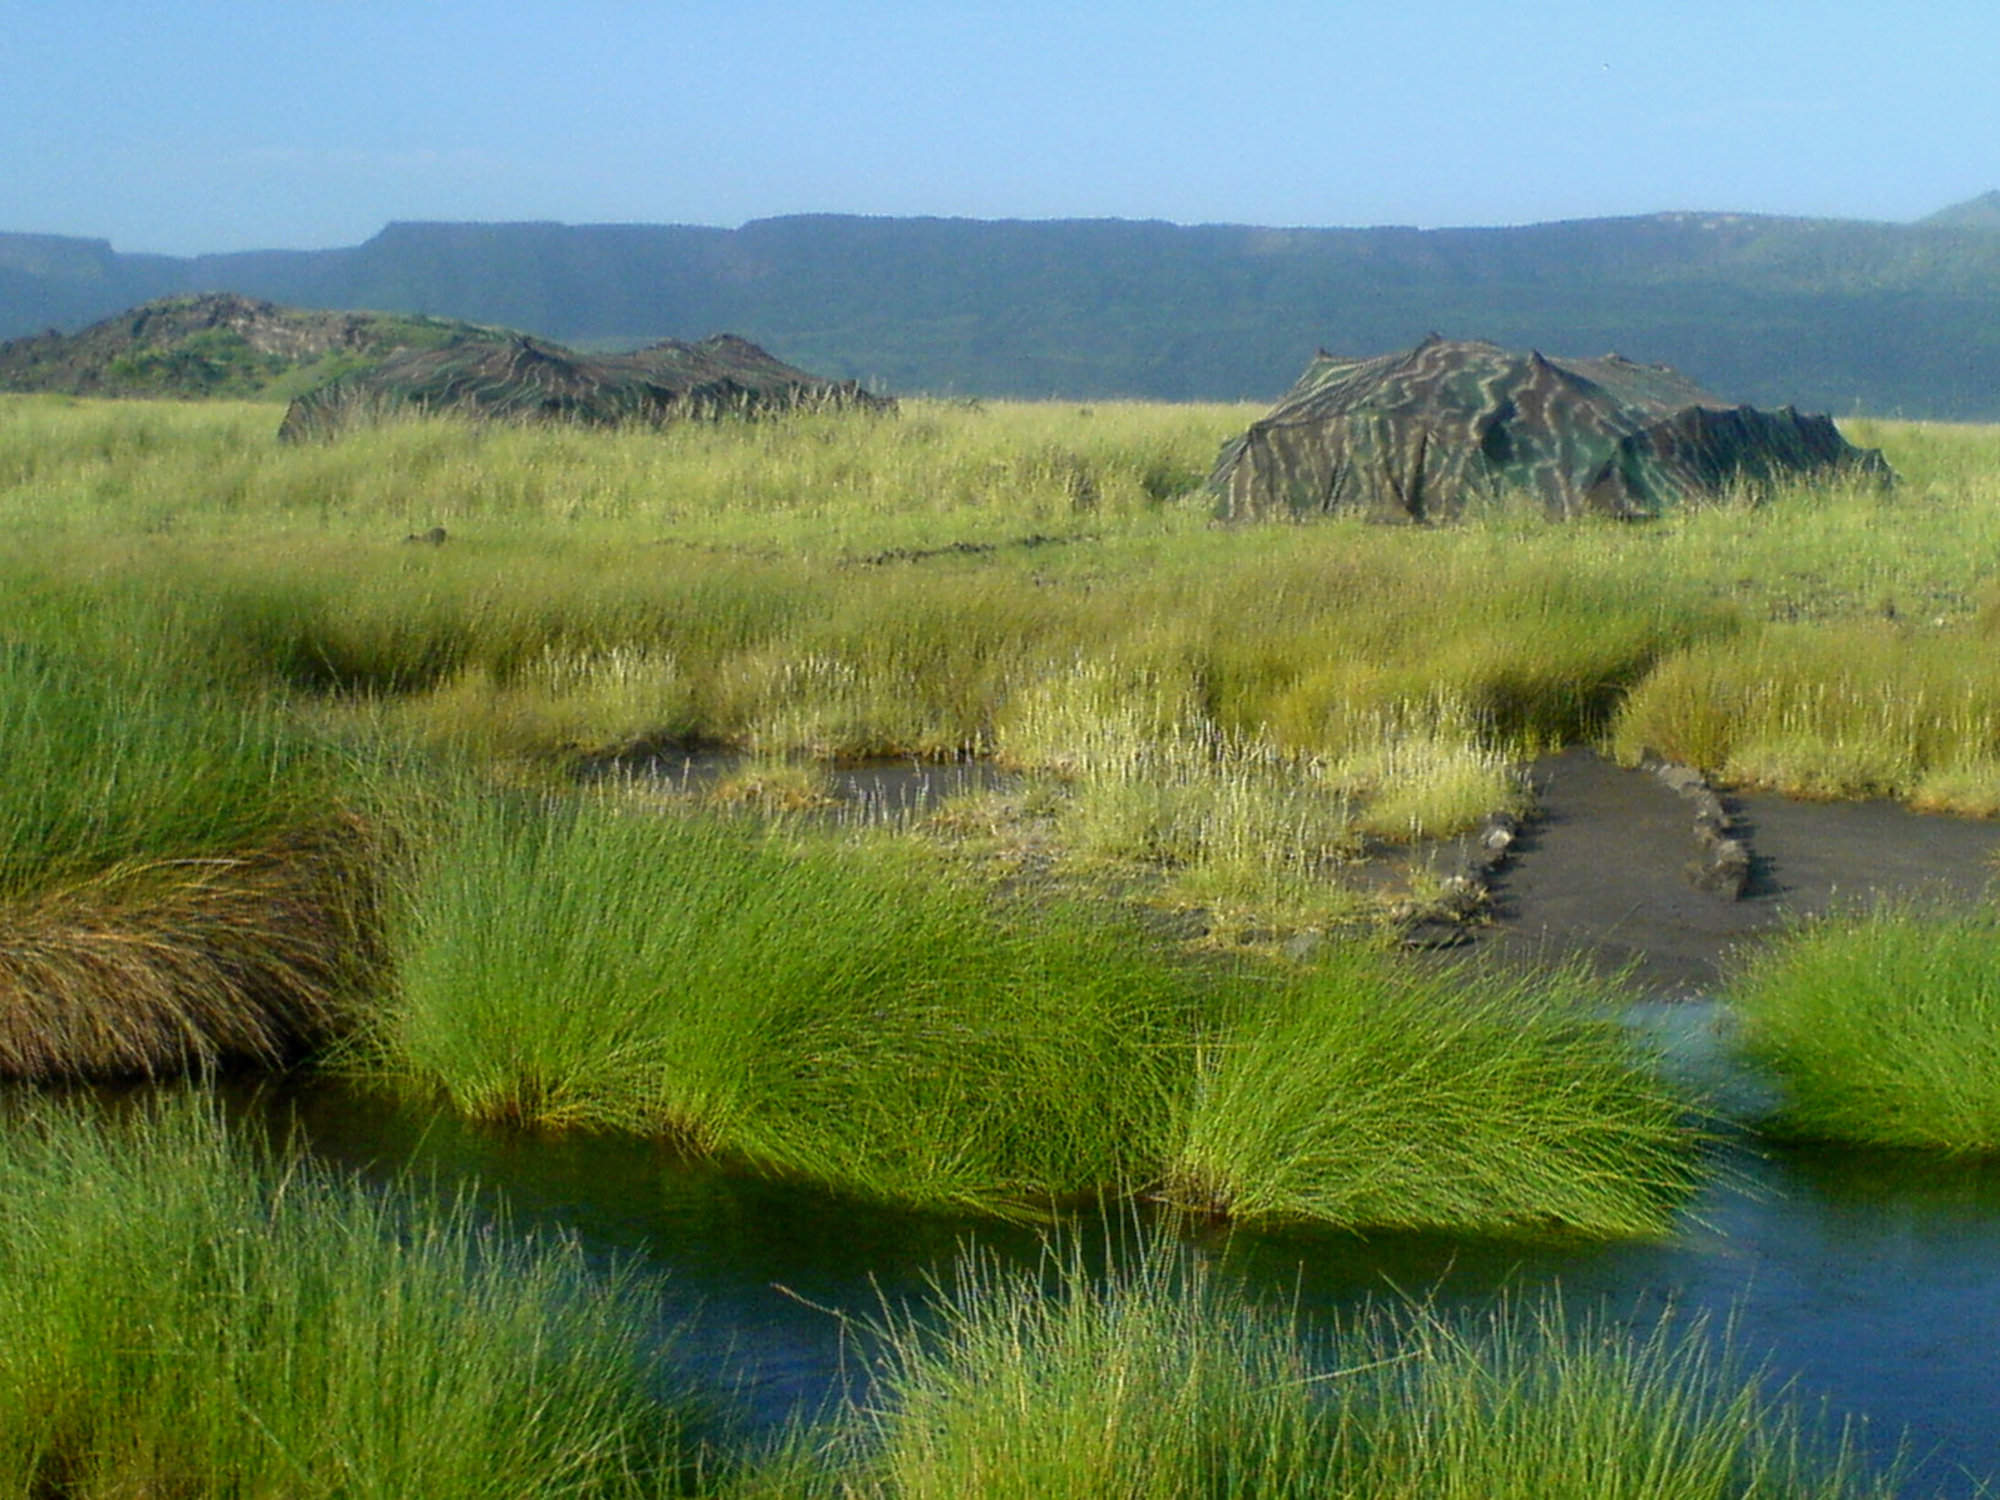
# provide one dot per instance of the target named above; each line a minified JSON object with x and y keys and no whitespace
{"x":1724,"y":871}
{"x":1434,"y":933}
{"x":1680,"y":778}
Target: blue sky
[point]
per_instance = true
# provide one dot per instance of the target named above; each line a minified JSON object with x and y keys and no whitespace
{"x":231,"y":125}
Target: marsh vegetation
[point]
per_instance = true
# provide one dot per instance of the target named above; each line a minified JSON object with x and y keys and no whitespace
{"x":190,"y":1310}
{"x":1882,"y":1027}
{"x":284,"y":789}
{"x":186,"y":1312}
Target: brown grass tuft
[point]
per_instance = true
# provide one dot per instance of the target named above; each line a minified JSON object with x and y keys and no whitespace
{"x":187,"y":965}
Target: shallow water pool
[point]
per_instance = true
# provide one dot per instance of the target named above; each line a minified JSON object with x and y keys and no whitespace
{"x":1871,"y":1280}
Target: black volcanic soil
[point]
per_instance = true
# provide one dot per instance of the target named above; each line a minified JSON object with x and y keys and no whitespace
{"x":1601,"y":870}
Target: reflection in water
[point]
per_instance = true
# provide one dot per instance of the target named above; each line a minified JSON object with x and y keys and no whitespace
{"x":1874,"y":1281}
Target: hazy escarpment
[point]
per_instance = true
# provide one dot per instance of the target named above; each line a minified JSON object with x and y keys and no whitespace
{"x":1832,"y":315}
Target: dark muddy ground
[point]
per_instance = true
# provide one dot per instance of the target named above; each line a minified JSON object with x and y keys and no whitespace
{"x":1602,"y":870}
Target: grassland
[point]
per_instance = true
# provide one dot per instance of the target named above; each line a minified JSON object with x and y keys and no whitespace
{"x":286,"y":786}
{"x":990,"y":581}
{"x":1214,"y":719}
{"x":1231,"y":714}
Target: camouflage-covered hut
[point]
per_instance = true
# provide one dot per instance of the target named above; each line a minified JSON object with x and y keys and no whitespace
{"x":524,"y":379}
{"x":1423,"y":434}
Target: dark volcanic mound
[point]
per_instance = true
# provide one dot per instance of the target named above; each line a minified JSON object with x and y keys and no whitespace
{"x":526,"y":379}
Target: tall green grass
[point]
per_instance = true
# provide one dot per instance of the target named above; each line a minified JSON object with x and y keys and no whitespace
{"x":945,"y":582}
{"x":867,"y":1025}
{"x":837,"y":481}
{"x":108,"y":766}
{"x":1152,"y":1380}
{"x":184,"y":877}
{"x":186,"y":1312}
{"x":1882,"y":1028}
{"x":813,"y":1011}
{"x":1156,"y":1380}
{"x":1875,"y":709}
{"x":1151,"y":779}
{"x":1366,"y":1094}
{"x":182,"y":1313}
{"x":1531,"y":1402}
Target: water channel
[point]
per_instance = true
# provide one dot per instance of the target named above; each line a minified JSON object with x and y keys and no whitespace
{"x":1870,"y":1280}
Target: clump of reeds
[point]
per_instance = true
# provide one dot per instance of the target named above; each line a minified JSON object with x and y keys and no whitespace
{"x":1156,"y":1380}
{"x":1254,"y":834}
{"x":1529,"y":1402}
{"x":1882,"y":1027}
{"x":842,"y":1014}
{"x":182,"y":1313}
{"x":188,"y":965}
{"x":1367,"y":1094}
{"x":180,"y":884}
{"x":851,"y":1019}
{"x":1150,"y":1380}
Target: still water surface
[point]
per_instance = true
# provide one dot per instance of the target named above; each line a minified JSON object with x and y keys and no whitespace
{"x":1873,"y":1280}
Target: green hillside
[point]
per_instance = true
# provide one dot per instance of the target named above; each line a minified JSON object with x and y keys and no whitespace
{"x":218,"y":344}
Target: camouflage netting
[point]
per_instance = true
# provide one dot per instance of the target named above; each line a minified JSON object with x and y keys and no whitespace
{"x":1426,"y":433}
{"x":524,"y":379}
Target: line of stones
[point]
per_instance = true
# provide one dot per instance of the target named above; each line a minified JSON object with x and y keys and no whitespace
{"x":1721,"y":865}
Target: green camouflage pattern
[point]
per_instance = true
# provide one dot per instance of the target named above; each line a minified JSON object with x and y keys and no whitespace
{"x":1424,"y":434}
{"x":522,"y":379}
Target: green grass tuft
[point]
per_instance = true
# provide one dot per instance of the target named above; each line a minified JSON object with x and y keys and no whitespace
{"x":802,"y":1009}
{"x":1868,"y":709}
{"x":1155,"y":1381}
{"x":1374,"y":1096}
{"x":1532,"y":1403}
{"x":1883,"y":1028}
{"x":185,"y":1314}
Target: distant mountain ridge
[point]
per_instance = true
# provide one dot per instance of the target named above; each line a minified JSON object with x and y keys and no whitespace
{"x":1982,"y":212}
{"x":1836,"y":315}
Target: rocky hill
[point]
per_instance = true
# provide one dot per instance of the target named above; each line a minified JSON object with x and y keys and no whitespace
{"x":218,"y":344}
